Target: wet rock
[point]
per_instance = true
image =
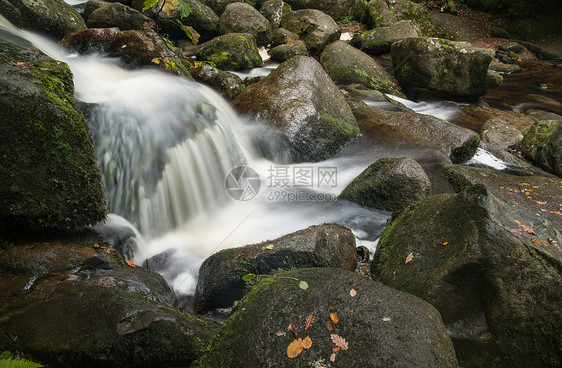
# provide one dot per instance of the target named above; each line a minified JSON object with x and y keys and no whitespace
{"x":507,"y":57}
{"x":457,"y":144}
{"x":73,"y":303}
{"x":135,"y":48}
{"x":281,"y":36}
{"x":499,"y":134}
{"x":244,"y":18}
{"x":234,"y":51}
{"x":274,"y":10}
{"x":383,"y":327}
{"x":301,"y":101}
{"x":542,"y":145}
{"x":337,"y":9}
{"x":120,"y":234}
{"x":50,"y":180}
{"x":456,"y":68}
{"x":314,"y":27}
{"x":489,"y":278}
{"x":99,"y":14}
{"x":379,"y":40}
{"x":203,"y":19}
{"x":390,"y":184}
{"x":347,"y":65}
{"x":504,"y":68}
{"x":284,"y":52}
{"x":541,"y":53}
{"x":229,"y":85}
{"x":50,"y":17}
{"x":221,"y":280}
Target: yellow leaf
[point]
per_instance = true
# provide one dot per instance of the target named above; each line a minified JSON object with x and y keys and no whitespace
{"x":307,"y":342}
{"x":445,"y":243}
{"x":295,"y":348}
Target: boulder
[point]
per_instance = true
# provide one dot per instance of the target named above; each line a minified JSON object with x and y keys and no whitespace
{"x":542,"y":145}
{"x":304,"y":104}
{"x":456,"y":68}
{"x":235,"y":51}
{"x":337,"y":9}
{"x":486,"y":258}
{"x":74,"y":303}
{"x":50,"y":17}
{"x":286,"y":51}
{"x":379,"y":40}
{"x":229,"y":85}
{"x":219,"y":6}
{"x":221,"y":276}
{"x":381,"y":327}
{"x":134,"y":48}
{"x":244,"y":18}
{"x":50,"y":179}
{"x":499,"y":134}
{"x":347,"y":65}
{"x":504,"y":68}
{"x":512,"y":46}
{"x":378,"y":14}
{"x":390,"y":184}
{"x":99,"y":14}
{"x":507,"y":57}
{"x":203,"y":19}
{"x":314,"y":27}
{"x":418,"y":14}
{"x":274,"y":10}
{"x":456,"y":143}
{"x":281,"y":36}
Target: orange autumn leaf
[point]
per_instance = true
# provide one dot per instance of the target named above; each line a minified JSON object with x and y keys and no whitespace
{"x":307,"y":342}
{"x":525,"y":227}
{"x":556,"y":213}
{"x":129,"y":263}
{"x":295,"y":348}
{"x":336,"y":349}
{"x":309,"y":322}
{"x":445,"y":243}
{"x":536,"y":242}
{"x":334,"y":318}
{"x":339,"y":341}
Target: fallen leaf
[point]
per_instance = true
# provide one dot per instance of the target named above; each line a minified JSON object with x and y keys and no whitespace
{"x":339,"y":341}
{"x":525,"y":227}
{"x":333,"y":357}
{"x":96,"y":245}
{"x":386,"y":319}
{"x":556,"y":213}
{"x":445,"y":243}
{"x":129,"y":263}
{"x":330,"y":325}
{"x":293,"y":328}
{"x":516,"y":231}
{"x":268,"y":247}
{"x":352,"y":293}
{"x":303,"y":285}
{"x":536,"y":242}
{"x":309,"y":322}
{"x":541,"y":203}
{"x":409,"y":257}
{"x":336,"y":349}
{"x":552,"y":241}
{"x":294,"y":348}
{"x":281,"y":333}
{"x":307,"y":342}
{"x":334,"y":318}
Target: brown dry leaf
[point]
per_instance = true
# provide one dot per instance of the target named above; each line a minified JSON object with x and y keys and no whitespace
{"x":334,"y":318}
{"x":293,"y":328}
{"x":339,"y":341}
{"x":294,"y":348}
{"x":352,"y":292}
{"x":333,"y":357}
{"x":330,"y":325}
{"x":336,"y":349}
{"x":552,"y":241}
{"x":307,"y":342}
{"x":129,"y":263}
{"x":309,"y":322}
{"x":409,"y":257}
{"x":525,"y":227}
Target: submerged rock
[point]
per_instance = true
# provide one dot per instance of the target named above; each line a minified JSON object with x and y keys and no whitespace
{"x":389,"y":184}
{"x":221,"y":281}
{"x":543,"y":145}
{"x":50,"y":179}
{"x":381,"y":327}
{"x":234,"y":51}
{"x":303,"y":103}
{"x":244,"y":18}
{"x":456,"y":68}
{"x":314,"y":27}
{"x":487,"y":262}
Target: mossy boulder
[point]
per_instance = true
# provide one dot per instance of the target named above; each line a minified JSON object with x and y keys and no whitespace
{"x":244,"y":18}
{"x":99,"y":14}
{"x":55,"y":18}
{"x":282,"y":36}
{"x":389,"y":184}
{"x":301,"y":101}
{"x":542,"y":144}
{"x":203,"y":19}
{"x":457,"y":144}
{"x":456,"y":68}
{"x":50,"y":180}
{"x":219,"y":6}
{"x":75,"y":303}
{"x":418,"y":14}
{"x":382,"y":327}
{"x":337,"y":9}
{"x":229,"y":85}
{"x":379,"y":40}
{"x":490,"y":279}
{"x":286,"y":51}
{"x":221,"y":282}
{"x":347,"y":65}
{"x":234,"y":51}
{"x":512,"y":47}
{"x":314,"y":27}
{"x":378,"y":14}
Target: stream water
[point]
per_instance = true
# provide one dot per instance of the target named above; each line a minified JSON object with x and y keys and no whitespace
{"x":166,"y":147}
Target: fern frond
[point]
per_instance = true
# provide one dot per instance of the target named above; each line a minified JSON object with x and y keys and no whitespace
{"x":18,"y":363}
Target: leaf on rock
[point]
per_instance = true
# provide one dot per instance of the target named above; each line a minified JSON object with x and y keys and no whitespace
{"x":248,"y":277}
{"x":334,"y":318}
{"x":281,"y":333}
{"x":409,"y":257}
{"x":330,"y":325}
{"x":309,"y":322}
{"x":536,"y":242}
{"x":129,"y":263}
{"x":303,"y":285}
{"x":339,"y":341}
{"x":556,"y":213}
{"x":352,"y":293}
{"x":295,"y":348}
{"x":333,"y":357}
{"x":307,"y":342}
{"x":293,"y":328}
{"x":525,"y":227}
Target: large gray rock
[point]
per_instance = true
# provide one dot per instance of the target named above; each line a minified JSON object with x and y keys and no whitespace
{"x":337,"y":9}
{"x":244,"y":18}
{"x":382,"y":327}
{"x":456,"y":68}
{"x":99,"y":14}
{"x":486,"y":258}
{"x":314,"y":27}
{"x":220,"y":281}
{"x":274,"y":10}
{"x":234,"y":51}
{"x":499,"y":134}
{"x":304,"y":104}
{"x":379,"y":40}
{"x":229,"y":85}
{"x":378,"y":14}
{"x":389,"y":184}
{"x":347,"y":65}
{"x":456,"y":143}
{"x":543,"y":145}
{"x":51,"y":17}
{"x":50,"y":180}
